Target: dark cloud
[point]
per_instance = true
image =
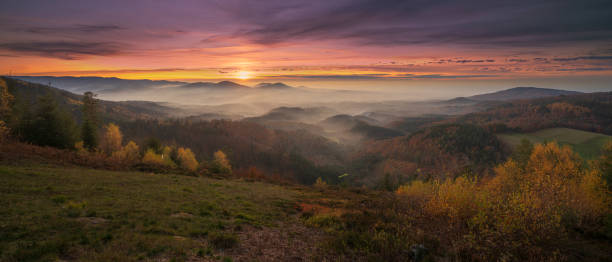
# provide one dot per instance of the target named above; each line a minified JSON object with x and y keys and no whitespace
{"x":567,"y":59}
{"x":336,"y":77}
{"x":437,"y":76}
{"x":400,"y":22}
{"x":462,"y":61}
{"x":63,"y":49}
{"x":74,"y":29}
{"x":541,"y":60}
{"x":584,"y":69}
{"x":518,"y":60}
{"x":97,"y":28}
{"x":378,"y":76}
{"x":469,"y":61}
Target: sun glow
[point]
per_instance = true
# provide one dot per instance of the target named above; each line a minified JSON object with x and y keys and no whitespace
{"x":244,"y":75}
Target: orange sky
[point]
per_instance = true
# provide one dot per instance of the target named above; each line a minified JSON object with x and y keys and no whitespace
{"x":333,"y":43}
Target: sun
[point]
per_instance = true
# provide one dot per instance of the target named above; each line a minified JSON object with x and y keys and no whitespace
{"x":244,"y":75}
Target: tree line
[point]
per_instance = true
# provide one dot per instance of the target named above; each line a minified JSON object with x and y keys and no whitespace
{"x":49,"y":125}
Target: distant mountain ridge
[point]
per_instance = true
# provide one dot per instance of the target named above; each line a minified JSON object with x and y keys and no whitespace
{"x":277,"y":85}
{"x":521,"y":93}
{"x":219,"y":85}
{"x":113,"y":84}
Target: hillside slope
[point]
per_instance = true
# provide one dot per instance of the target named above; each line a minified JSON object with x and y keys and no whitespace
{"x":26,"y":92}
{"x":435,"y":152}
{"x":52,"y":213}
{"x":588,"y":112}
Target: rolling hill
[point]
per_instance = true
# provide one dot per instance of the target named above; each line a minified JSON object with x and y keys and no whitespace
{"x":519,"y":93}
{"x":589,"y":112}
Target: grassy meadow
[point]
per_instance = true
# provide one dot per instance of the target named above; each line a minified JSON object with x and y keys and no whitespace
{"x":52,"y":213}
{"x":587,"y":144}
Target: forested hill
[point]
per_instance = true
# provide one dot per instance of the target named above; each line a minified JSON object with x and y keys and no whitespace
{"x":294,"y":155}
{"x":589,"y":112}
{"x":26,"y":92}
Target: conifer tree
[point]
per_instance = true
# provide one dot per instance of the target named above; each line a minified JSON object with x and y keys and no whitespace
{"x":90,"y":121}
{"x":50,"y":125}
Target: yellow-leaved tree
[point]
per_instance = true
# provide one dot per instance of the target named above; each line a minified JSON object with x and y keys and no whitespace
{"x":221,"y":164}
{"x":152,"y":158}
{"x":167,"y":156}
{"x":186,"y":159}
{"x":111,"y":140}
{"x":129,"y":154}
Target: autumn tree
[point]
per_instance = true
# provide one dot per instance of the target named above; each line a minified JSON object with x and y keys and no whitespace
{"x":186,"y":159}
{"x":90,"y":121}
{"x":111,"y":139}
{"x":152,"y":158}
{"x":166,"y":154}
{"x":128,"y":154}
{"x":6,"y":100}
{"x":221,"y":164}
{"x":520,"y":208}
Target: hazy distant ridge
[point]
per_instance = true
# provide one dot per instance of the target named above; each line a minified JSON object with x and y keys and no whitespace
{"x":522,"y":93}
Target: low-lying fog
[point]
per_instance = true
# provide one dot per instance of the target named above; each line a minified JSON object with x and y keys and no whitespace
{"x":231,"y":100}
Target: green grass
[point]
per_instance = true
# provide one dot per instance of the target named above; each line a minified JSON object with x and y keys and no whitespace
{"x":587,"y":144}
{"x":92,"y":215}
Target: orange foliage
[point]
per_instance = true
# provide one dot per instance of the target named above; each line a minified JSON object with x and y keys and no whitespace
{"x":519,"y":209}
{"x":111,"y":140}
{"x":129,"y":154}
{"x":186,"y":159}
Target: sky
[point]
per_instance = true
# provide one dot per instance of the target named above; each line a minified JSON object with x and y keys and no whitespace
{"x":346,"y":44}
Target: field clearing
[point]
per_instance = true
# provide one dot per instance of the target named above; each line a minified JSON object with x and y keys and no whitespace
{"x":587,"y":144}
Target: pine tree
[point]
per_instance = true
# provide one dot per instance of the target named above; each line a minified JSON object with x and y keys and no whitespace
{"x":89,"y":130}
{"x":522,"y":153}
{"x":50,"y":125}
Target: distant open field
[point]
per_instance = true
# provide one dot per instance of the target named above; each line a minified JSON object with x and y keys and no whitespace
{"x":587,"y":144}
